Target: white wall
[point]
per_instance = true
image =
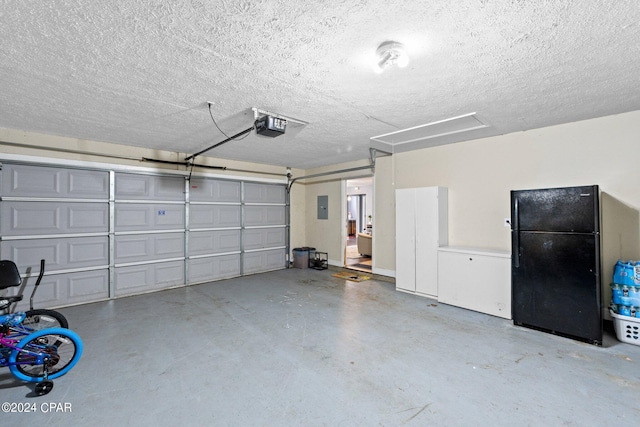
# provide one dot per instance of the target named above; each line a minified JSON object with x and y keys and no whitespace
{"x":328,"y":235}
{"x":480,"y":175}
{"x":384,"y":218}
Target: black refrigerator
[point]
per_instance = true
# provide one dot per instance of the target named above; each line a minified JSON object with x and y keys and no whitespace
{"x":555,"y":261}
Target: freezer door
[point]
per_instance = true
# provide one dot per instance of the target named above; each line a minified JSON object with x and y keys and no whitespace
{"x":572,"y":209}
{"x":555,"y":286}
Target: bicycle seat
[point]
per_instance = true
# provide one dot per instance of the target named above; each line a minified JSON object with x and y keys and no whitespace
{"x":9,"y":274}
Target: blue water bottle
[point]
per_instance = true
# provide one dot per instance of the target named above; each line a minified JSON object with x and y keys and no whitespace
{"x":625,"y":310}
{"x":616,"y":293}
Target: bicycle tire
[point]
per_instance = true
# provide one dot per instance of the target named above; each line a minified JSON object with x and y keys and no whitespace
{"x":43,"y":318}
{"x":64,"y":345}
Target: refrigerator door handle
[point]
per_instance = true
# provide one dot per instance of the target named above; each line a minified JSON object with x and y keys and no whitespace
{"x":516,"y":235}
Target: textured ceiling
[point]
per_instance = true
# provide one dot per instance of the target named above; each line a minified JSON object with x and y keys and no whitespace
{"x":141,"y":72}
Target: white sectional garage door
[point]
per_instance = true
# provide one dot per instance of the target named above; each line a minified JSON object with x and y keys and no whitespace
{"x":215,"y":229}
{"x":61,"y":216}
{"x":264,"y":227}
{"x":149,"y":232}
{"x":106,"y":234}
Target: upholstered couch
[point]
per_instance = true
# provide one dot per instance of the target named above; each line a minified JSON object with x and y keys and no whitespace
{"x":364,"y":244}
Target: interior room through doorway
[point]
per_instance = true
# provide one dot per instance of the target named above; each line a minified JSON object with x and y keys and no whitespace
{"x":359,"y":224}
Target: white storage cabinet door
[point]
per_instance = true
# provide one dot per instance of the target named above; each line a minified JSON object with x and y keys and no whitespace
{"x":406,"y":240}
{"x":421,"y":227}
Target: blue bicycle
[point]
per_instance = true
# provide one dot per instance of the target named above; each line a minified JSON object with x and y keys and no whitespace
{"x":39,"y":356}
{"x":35,"y":319}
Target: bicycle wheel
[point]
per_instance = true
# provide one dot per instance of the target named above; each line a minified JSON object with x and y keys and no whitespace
{"x":42,"y":318}
{"x":63,"y":348}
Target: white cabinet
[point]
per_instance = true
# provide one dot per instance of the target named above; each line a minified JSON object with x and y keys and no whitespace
{"x":421,"y":227}
{"x":476,"y":279}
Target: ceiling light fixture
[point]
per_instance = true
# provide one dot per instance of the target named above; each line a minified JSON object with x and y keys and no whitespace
{"x":390,"y":53}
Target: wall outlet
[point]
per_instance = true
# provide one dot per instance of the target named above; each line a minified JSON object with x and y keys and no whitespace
{"x":507,"y":223}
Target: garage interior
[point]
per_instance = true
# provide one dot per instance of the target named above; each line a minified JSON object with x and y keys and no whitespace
{"x":135,"y":162}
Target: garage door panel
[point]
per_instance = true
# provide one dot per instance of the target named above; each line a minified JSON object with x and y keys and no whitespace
{"x":59,"y":254}
{"x":148,"y":187}
{"x":147,"y":247}
{"x":88,"y":252}
{"x":211,"y":190}
{"x":42,"y":218}
{"x":274,"y":237}
{"x":214,"y":216}
{"x":88,"y":184}
{"x":128,"y":247}
{"x":275,"y":259}
{"x":169,"y":245}
{"x":40,"y":181}
{"x":28,"y":253}
{"x":263,"y":193}
{"x":48,"y":294}
{"x":263,"y":215}
{"x":252,"y":239}
{"x":132,"y":279}
{"x":260,"y":238}
{"x":148,"y":277}
{"x":212,"y":242}
{"x":88,"y":218}
{"x":148,"y":216}
{"x":169,"y":273}
{"x":260,"y":261}
{"x":214,"y":268}
{"x":84,"y":286}
{"x":68,"y":288}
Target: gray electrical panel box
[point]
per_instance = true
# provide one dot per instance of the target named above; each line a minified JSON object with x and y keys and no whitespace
{"x":323,"y":207}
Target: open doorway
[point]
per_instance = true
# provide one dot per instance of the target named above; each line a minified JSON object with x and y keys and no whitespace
{"x":359,"y":217}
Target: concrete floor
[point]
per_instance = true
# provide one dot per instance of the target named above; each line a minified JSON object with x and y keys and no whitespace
{"x":300,"y":347}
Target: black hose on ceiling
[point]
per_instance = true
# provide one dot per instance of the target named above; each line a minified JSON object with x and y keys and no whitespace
{"x":187,"y":164}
